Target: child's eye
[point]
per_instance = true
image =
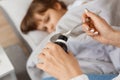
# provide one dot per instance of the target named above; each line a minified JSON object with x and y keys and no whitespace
{"x":44,"y":29}
{"x":47,"y":19}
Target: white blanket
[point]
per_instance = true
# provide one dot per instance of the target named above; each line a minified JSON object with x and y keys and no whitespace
{"x":93,"y":56}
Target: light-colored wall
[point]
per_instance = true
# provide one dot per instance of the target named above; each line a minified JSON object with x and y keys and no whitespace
{"x":7,"y":35}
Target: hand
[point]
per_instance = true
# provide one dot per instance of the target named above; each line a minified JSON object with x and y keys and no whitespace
{"x":98,"y":28}
{"x":58,"y":63}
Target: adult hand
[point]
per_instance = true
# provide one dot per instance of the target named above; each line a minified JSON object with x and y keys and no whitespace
{"x":58,"y":63}
{"x":98,"y":28}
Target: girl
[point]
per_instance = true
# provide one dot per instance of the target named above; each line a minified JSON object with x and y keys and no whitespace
{"x":43,"y":15}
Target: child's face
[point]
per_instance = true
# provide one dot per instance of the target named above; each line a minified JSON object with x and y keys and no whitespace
{"x":48,"y":20}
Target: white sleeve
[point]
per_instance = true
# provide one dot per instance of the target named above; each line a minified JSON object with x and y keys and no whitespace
{"x":117,"y":78}
{"x":81,"y":77}
{"x":85,"y":77}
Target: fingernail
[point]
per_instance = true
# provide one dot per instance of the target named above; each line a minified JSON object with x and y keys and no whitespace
{"x":84,"y":21}
{"x":86,"y":10}
{"x":96,"y":33}
{"x":40,"y":61}
{"x":87,"y":20}
{"x":87,"y":28}
{"x":92,"y":30}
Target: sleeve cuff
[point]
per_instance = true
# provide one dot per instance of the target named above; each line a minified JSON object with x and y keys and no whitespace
{"x":117,"y":78}
{"x":80,"y":77}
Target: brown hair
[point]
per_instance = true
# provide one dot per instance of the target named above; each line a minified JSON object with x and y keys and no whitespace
{"x":37,"y":6}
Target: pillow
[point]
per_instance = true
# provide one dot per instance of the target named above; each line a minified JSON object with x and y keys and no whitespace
{"x":67,"y":2}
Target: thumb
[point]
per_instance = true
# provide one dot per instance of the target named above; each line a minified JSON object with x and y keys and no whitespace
{"x":92,"y":15}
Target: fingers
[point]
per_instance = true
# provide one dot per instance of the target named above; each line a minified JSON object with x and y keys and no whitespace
{"x":40,"y":66}
{"x":47,"y":51}
{"x":41,"y":56}
{"x":51,"y":45}
{"x":93,"y":16}
{"x":55,"y":48}
{"x":45,"y":55}
{"x":45,"y":60}
{"x":90,"y":31}
{"x":52,"y":51}
{"x":84,"y":16}
{"x":50,"y":56}
{"x":43,"y":66}
{"x":89,"y":25}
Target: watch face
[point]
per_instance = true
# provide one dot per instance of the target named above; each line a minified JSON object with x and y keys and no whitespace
{"x":55,"y":37}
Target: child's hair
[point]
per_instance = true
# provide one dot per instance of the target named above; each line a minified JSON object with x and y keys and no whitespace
{"x":37,"y":6}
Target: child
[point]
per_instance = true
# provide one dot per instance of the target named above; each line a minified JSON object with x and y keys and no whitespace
{"x":43,"y":15}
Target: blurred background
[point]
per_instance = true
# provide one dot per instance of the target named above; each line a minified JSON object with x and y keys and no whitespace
{"x":15,"y":50}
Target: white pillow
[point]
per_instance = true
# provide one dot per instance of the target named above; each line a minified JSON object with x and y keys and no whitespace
{"x":68,"y":2}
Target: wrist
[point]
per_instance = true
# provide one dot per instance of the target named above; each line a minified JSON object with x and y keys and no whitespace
{"x":115,"y":38}
{"x":80,"y":77}
{"x":75,"y":74}
{"x":71,"y":75}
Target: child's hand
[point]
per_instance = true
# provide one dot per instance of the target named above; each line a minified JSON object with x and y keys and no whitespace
{"x":57,"y":63}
